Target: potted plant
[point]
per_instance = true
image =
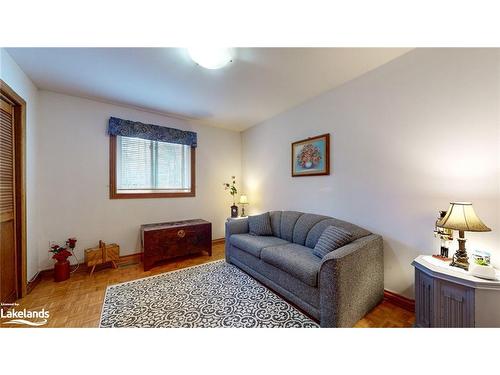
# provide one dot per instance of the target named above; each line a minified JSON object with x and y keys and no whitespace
{"x":61,"y":254}
{"x":233,"y":191}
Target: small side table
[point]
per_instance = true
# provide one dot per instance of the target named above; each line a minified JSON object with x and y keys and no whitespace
{"x":236,"y":218}
{"x":448,"y":296}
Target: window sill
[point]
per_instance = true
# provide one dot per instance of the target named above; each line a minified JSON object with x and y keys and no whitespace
{"x":136,"y":195}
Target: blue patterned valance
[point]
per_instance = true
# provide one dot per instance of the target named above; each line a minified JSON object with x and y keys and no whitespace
{"x":127,"y":128}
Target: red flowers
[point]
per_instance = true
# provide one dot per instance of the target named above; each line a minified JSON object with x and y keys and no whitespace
{"x":71,"y":242}
{"x":60,"y":253}
{"x":309,"y":156}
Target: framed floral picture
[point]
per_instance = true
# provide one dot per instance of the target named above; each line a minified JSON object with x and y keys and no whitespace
{"x":311,"y":156}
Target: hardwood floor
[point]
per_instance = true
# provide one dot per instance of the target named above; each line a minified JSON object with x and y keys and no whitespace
{"x":77,"y":302}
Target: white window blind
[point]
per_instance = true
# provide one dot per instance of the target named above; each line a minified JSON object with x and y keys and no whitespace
{"x":144,"y":165}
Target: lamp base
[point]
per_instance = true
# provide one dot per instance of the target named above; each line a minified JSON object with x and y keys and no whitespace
{"x":460,"y":258}
{"x":460,"y":262}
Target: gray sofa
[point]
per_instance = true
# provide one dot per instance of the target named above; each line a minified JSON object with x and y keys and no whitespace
{"x":337,"y":290}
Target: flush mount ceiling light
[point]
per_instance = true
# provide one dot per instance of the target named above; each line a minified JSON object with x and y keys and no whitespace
{"x":211,"y":58}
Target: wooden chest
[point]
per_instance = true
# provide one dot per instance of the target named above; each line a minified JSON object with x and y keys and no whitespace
{"x":179,"y":238}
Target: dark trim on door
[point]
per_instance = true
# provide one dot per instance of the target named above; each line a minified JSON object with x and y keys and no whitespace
{"x":20,"y":178}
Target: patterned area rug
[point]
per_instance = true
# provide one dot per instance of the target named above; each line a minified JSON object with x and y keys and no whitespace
{"x":215,"y":294}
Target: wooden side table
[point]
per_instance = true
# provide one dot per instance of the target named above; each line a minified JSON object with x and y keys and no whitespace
{"x":447,"y":296}
{"x":236,"y":218}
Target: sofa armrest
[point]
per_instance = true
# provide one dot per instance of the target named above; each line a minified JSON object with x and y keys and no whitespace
{"x":351,"y":281}
{"x":238,"y":226}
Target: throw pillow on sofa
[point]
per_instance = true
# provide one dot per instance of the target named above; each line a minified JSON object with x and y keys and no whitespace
{"x":331,"y":239}
{"x":260,"y":225}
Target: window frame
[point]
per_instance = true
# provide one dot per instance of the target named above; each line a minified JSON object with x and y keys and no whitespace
{"x":115,"y":194}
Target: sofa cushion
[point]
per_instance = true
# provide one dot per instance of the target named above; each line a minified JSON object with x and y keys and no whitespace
{"x":275,"y":222}
{"x":297,"y":260}
{"x":288,"y":220}
{"x":303,"y":225}
{"x":260,"y":225}
{"x":254,"y":244}
{"x":331,"y":239}
{"x":316,"y":231}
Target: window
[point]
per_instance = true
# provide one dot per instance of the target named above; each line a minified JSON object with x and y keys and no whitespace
{"x":142,"y":168}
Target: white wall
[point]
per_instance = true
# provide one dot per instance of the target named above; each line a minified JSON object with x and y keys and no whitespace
{"x":407,"y":138}
{"x":74,"y":177}
{"x":13,"y":76}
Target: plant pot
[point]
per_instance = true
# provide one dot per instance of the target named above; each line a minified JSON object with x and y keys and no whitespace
{"x":61,"y":270}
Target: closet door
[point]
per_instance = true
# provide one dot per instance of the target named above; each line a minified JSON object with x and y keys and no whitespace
{"x":8,"y":266}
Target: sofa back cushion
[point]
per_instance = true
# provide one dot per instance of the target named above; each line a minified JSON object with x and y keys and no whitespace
{"x":288,"y":220}
{"x":276,"y":223}
{"x":331,"y":239}
{"x":260,"y":225}
{"x":303,"y":225}
{"x":317,"y":230}
{"x":305,"y":229}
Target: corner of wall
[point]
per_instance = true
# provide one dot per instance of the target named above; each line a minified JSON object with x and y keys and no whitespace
{"x":13,"y":75}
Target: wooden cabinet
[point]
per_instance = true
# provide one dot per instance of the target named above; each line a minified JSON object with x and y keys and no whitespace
{"x":446,"y":297}
{"x":169,"y":240}
{"x":455,"y":305}
{"x":424,"y":294}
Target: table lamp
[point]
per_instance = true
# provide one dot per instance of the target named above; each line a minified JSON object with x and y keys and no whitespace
{"x":243,"y":201}
{"x":461,"y":216}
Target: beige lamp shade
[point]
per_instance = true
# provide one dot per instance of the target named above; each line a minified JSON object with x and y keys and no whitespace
{"x":243,"y":199}
{"x":461,"y":216}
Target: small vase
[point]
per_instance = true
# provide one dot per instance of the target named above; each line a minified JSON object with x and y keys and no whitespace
{"x":61,"y":270}
{"x":234,"y":210}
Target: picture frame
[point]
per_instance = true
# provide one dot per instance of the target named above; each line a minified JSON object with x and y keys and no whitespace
{"x":311,"y":156}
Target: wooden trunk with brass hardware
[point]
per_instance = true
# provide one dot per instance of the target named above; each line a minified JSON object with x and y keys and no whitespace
{"x":164,"y":241}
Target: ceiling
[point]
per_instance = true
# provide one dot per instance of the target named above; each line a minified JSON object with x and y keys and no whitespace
{"x":257,"y":85}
